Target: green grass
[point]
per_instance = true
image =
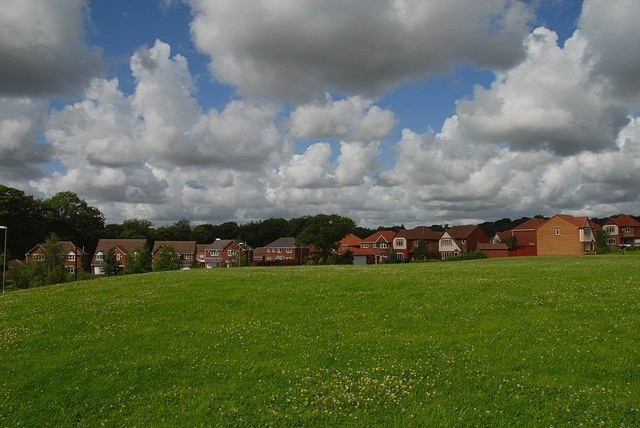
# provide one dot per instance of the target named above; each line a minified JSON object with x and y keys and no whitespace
{"x":502,"y":342}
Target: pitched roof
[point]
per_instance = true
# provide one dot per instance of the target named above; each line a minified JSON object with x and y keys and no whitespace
{"x":461,"y":232}
{"x":529,"y":225}
{"x":420,"y":233}
{"x":182,"y":247}
{"x":220,"y":244}
{"x":126,"y":245}
{"x":386,"y":235}
{"x":282,"y":243}
{"x":350,"y":240}
{"x":67,"y":247}
{"x":578,"y":221}
{"x":623,"y":220}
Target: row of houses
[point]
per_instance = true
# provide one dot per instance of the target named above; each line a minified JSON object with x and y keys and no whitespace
{"x":560,"y":235}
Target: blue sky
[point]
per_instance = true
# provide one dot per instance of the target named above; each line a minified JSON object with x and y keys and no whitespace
{"x":387,"y":111}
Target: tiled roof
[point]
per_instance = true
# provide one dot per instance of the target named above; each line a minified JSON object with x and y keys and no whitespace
{"x":420,"y":233}
{"x":531,"y":224}
{"x":126,"y":245}
{"x":282,"y":243}
{"x":67,"y":247}
{"x":578,"y":221}
{"x":461,"y":232}
{"x":386,"y":235}
{"x":350,"y":240}
{"x":220,"y":244}
{"x":182,"y":247}
{"x":623,"y":220}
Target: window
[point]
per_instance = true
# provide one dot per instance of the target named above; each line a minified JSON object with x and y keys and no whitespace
{"x":71,"y":257}
{"x":384,"y":245}
{"x":557,"y":231}
{"x":610,"y":229}
{"x":100,"y":256}
{"x":289,"y":250}
{"x":627,"y":230}
{"x":118,"y":256}
{"x":232,"y":253}
{"x":186,"y":256}
{"x":611,"y":241}
{"x":38,"y":257}
{"x":365,"y":245}
{"x":399,"y":243}
{"x":446,"y":242}
{"x":279,"y":250}
{"x":399,"y":256}
{"x":587,"y":232}
{"x":70,"y":269}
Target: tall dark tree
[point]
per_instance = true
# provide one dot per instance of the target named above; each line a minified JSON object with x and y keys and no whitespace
{"x":203,"y":233}
{"x":71,"y":218}
{"x":136,"y":228}
{"x":324,"y":231}
{"x":182,"y":230}
{"x":22,"y":215}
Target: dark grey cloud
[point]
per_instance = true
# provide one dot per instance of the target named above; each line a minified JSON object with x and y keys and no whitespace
{"x":42,"y":48}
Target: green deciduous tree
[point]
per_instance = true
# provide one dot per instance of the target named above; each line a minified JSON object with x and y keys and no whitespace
{"x":324,"y":231}
{"x":71,"y":218}
{"x":23,"y":215}
{"x":110,"y":265}
{"x":139,"y":261}
{"x":511,"y":242}
{"x":136,"y":229}
{"x":167,"y":259}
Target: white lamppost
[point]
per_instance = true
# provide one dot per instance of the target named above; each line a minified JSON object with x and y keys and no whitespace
{"x":4,"y":256}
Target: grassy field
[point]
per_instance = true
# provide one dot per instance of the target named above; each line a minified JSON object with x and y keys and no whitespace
{"x":502,"y":342}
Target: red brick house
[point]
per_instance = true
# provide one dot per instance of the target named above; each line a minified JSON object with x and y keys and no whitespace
{"x":226,"y":253}
{"x":525,"y":236}
{"x":460,"y":240}
{"x":378,"y":246}
{"x":564,"y":234}
{"x":74,"y":257}
{"x":406,"y":242}
{"x":285,"y":250}
{"x":122,"y":247}
{"x":622,"y":230}
{"x":186,"y":250}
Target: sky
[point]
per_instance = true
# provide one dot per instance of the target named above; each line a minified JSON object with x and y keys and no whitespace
{"x":386,"y":111}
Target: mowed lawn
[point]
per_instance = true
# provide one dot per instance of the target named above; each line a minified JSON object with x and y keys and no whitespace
{"x":502,"y":342}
